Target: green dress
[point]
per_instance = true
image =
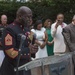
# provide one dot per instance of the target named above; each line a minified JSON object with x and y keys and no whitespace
{"x":49,"y":48}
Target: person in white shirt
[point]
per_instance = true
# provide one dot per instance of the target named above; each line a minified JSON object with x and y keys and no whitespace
{"x":56,"y":32}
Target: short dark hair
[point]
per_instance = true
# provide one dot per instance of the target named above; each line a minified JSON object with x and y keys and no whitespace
{"x":21,"y":11}
{"x":37,"y":23}
{"x":46,"y":22}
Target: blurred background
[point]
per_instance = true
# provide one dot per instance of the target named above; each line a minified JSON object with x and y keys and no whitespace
{"x":41,"y":8}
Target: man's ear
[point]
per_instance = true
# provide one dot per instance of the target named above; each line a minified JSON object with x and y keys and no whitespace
{"x":20,"y":17}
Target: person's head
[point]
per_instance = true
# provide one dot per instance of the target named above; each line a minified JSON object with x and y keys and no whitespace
{"x":38,"y":25}
{"x":73,"y":20}
{"x":24,"y":16}
{"x":60,"y":18}
{"x":3,"y":19}
{"x":47,"y":23}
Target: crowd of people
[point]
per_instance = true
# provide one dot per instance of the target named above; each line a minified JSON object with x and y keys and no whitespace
{"x":49,"y":39}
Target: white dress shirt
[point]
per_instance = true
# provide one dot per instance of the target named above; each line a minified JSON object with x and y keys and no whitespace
{"x":59,"y":44}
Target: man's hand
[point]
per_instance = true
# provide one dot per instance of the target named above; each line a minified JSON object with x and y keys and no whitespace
{"x":33,"y":48}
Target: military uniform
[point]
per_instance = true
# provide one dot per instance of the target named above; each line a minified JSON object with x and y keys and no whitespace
{"x":11,"y":41}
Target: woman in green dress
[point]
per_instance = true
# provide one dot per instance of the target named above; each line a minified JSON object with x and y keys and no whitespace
{"x":50,"y":45}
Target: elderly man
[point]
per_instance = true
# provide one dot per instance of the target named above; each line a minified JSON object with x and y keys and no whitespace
{"x":4,"y":20}
{"x":56,"y":31}
{"x":2,"y":26}
{"x":69,"y":36}
{"x":12,"y":36}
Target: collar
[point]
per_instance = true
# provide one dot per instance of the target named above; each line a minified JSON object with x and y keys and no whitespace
{"x":18,"y":23}
{"x":3,"y":25}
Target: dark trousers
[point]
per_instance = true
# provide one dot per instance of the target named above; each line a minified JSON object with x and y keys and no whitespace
{"x":8,"y":69}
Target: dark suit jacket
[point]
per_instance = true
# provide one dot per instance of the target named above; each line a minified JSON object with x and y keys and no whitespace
{"x":69,"y":36}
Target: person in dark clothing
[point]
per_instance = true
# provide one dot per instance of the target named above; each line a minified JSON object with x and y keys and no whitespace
{"x":11,"y":43}
{"x":69,"y":37}
{"x":2,"y":26}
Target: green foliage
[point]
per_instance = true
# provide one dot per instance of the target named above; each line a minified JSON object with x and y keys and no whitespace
{"x":42,"y":10}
